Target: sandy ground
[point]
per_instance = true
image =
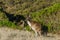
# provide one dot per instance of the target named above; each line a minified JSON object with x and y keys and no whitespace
{"x":11,"y":34}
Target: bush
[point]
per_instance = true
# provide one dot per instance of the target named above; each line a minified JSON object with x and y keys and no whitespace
{"x":49,"y":17}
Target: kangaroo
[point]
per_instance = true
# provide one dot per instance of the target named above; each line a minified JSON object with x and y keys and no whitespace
{"x":35,"y":26}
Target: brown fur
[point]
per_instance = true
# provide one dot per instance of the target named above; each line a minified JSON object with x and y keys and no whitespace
{"x":36,"y":26}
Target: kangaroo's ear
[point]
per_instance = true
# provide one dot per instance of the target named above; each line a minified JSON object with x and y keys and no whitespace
{"x":28,"y":16}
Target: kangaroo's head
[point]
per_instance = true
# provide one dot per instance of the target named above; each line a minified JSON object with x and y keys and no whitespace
{"x":28,"y":18}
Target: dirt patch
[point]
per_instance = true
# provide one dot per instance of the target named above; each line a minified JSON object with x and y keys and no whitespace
{"x":11,"y":34}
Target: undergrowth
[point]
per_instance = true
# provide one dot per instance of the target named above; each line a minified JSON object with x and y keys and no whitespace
{"x":45,"y":16}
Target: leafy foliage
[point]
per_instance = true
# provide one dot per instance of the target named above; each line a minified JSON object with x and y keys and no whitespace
{"x":47,"y":12}
{"x":48,"y":16}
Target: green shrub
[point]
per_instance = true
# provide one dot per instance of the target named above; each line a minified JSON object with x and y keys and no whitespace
{"x":48,"y":16}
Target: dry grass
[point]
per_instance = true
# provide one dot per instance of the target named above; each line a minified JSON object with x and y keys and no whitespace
{"x":11,"y":34}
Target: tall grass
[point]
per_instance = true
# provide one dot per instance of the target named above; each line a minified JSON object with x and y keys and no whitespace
{"x":55,"y":7}
{"x":7,"y":23}
{"x":46,"y":16}
{"x":4,"y":22}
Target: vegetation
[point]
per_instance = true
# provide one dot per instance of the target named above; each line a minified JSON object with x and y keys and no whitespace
{"x":48,"y":16}
{"x":43,"y":11}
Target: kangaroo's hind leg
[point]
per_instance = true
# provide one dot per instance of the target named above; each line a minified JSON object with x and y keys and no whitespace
{"x":39,"y":33}
{"x":36,"y":33}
